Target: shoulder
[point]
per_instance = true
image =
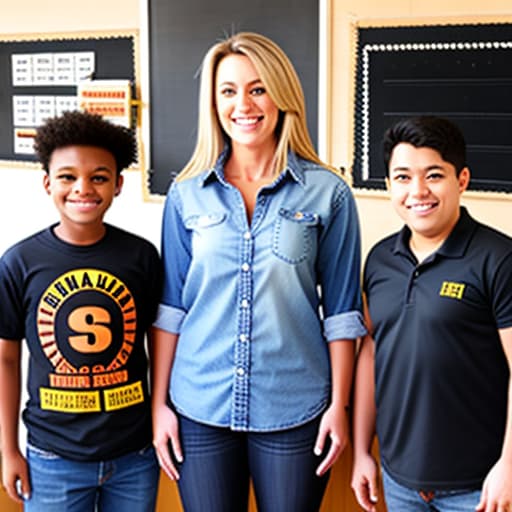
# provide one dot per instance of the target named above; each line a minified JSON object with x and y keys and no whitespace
{"x":25,"y":245}
{"x":323,"y":180}
{"x":314,"y":172}
{"x":488,"y":233}
{"x":382,"y":248}
{"x":186,"y":189}
{"x":489,"y":243}
{"x":128,"y":239}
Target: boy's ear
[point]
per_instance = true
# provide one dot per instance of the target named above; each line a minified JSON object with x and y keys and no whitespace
{"x":119,"y":184}
{"x":46,"y":183}
{"x":464,"y":177}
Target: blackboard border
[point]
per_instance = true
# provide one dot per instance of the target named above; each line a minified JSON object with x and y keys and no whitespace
{"x":362,"y":180}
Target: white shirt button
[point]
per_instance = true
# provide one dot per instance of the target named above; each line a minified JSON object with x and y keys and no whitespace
{"x":244,"y":303}
{"x":247,"y":235}
{"x":246,"y":267}
{"x":242,"y":337}
{"x":240,"y":372}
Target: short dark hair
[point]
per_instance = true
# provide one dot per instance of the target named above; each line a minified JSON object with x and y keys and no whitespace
{"x":77,"y":128}
{"x":433,"y":132}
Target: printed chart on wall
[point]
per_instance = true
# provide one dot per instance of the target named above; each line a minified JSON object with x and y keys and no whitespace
{"x":42,"y":78}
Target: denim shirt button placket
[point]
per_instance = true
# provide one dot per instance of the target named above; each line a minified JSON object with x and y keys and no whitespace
{"x":240,"y":403}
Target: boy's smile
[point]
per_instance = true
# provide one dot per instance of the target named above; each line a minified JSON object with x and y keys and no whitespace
{"x":82,"y":181}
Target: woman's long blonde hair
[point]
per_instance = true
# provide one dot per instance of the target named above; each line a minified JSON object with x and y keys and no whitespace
{"x":283,"y":86}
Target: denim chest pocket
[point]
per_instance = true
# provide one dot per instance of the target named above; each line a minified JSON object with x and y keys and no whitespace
{"x":295,"y":235}
{"x":208,"y":220}
{"x":205,"y":231}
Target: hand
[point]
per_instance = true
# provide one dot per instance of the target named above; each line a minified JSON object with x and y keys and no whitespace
{"x":364,"y":481}
{"x":165,"y":429}
{"x":334,"y":423}
{"x":497,"y":489}
{"x":15,"y":476}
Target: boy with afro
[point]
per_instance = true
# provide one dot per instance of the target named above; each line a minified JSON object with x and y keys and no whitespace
{"x":83,"y":295}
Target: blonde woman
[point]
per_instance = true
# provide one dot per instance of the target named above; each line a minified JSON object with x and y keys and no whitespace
{"x":250,"y":380}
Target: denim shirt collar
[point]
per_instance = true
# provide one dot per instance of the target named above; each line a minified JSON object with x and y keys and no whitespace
{"x":294,"y":169}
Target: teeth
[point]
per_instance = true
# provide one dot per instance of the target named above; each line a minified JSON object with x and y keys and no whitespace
{"x":246,"y":121}
{"x":84,"y":203}
{"x":421,"y":207}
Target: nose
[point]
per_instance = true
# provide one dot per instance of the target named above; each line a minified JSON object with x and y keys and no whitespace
{"x":243,"y":101}
{"x":81,"y":186}
{"x":419,"y":187}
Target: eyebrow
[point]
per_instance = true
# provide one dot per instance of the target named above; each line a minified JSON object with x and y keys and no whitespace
{"x":252,"y":82}
{"x":101,"y":168}
{"x":432,"y":167}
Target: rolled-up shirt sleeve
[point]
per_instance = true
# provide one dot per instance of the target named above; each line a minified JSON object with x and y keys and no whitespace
{"x":176,"y":255}
{"x":339,"y":267}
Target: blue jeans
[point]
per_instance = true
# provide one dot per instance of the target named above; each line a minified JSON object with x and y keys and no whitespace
{"x":402,"y":499}
{"x":218,"y":464}
{"x":129,"y":482}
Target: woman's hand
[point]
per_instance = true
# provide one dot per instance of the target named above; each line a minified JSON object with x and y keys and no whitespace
{"x":333,"y":425}
{"x":166,"y":440}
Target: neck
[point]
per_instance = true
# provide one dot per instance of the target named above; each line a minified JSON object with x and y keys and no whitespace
{"x":250,"y":164}
{"x":423,"y":247}
{"x":80,"y":235}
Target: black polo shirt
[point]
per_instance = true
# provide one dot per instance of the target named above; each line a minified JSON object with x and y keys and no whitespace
{"x":441,"y":374}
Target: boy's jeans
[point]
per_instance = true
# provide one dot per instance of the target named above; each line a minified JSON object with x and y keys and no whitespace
{"x":403,"y":499}
{"x":129,"y":482}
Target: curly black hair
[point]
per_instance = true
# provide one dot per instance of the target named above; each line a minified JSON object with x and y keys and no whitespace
{"x":77,"y":128}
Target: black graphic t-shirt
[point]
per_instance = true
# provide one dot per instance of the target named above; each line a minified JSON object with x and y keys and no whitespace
{"x":84,"y":312}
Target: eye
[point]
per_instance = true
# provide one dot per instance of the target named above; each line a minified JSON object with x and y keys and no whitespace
{"x":100,"y":178}
{"x":401,"y":177}
{"x":227,"y":92}
{"x":258,"y":91}
{"x":435,"y":176}
{"x":65,"y":177}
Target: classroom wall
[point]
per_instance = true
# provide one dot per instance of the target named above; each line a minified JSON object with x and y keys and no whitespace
{"x":25,"y":208}
{"x":377,"y":217}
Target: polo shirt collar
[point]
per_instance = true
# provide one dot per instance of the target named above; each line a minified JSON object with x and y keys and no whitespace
{"x":294,"y":170}
{"x":453,"y":247}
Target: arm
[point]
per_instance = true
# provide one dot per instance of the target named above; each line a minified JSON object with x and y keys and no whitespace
{"x":334,"y":421}
{"x":14,"y":465}
{"x":365,"y":469}
{"x":497,"y":488}
{"x":165,"y":422}
{"x":339,"y":262}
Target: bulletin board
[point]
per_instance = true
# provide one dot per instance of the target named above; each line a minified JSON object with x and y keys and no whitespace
{"x":461,"y":72}
{"x":180,"y":33}
{"x":31,"y":83}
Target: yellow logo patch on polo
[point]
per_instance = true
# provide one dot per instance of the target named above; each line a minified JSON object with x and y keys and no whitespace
{"x":452,"y":290}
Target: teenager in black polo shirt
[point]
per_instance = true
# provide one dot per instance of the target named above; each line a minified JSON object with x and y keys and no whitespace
{"x":439,"y":304}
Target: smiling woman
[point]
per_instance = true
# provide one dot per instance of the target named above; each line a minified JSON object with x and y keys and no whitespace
{"x":246,"y":112}
{"x":251,"y":226}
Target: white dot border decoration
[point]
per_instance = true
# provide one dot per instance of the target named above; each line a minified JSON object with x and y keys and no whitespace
{"x":405,"y":47}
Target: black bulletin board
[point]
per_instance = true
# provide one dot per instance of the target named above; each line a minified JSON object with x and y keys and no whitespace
{"x":181,"y":32}
{"x":114,"y":59}
{"x":462,"y":72}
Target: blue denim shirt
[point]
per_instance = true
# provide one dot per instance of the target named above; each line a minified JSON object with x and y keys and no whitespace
{"x":247,"y":299}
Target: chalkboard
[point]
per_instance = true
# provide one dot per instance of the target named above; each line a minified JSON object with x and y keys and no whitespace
{"x":113,"y":57}
{"x":180,"y":33}
{"x":461,"y":72}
